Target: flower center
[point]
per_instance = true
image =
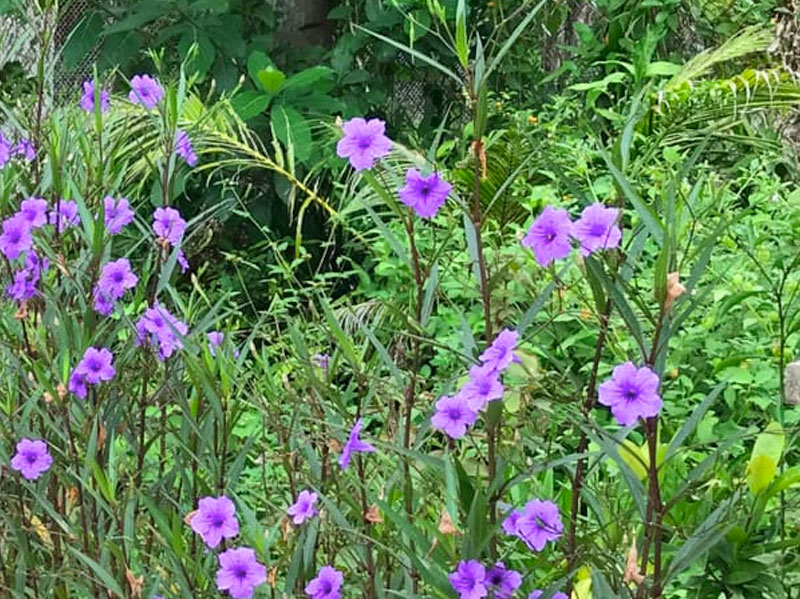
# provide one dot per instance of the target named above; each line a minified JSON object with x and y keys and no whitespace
{"x":326,"y":587}
{"x":95,"y":366}
{"x":240,"y":572}
{"x":217,"y":521}
{"x":630,"y":394}
{"x":597,"y":230}
{"x":117,"y":277}
{"x":31,"y":458}
{"x":364,"y":143}
{"x":550,"y":236}
{"x":454,"y":414}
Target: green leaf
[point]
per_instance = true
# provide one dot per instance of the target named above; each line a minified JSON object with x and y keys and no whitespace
{"x":270,"y":79}
{"x":510,"y":41}
{"x":462,"y":47}
{"x":661,"y":68}
{"x":767,"y":451}
{"x":307,"y":78}
{"x":257,"y":61}
{"x":292,"y":130}
{"x":691,"y":422}
{"x":248,"y":104}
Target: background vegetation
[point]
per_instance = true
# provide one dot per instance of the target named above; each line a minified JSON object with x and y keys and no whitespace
{"x":682,"y":113}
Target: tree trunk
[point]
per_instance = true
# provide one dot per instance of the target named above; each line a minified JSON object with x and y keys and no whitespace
{"x":304,"y":23}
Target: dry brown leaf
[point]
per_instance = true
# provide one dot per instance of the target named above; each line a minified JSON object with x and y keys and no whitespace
{"x":446,"y":526}
{"x":373,"y":515}
{"x":134,"y":583}
{"x":674,"y":290}
{"x":286,"y":529}
{"x":271,"y":576}
{"x":187,"y":519}
{"x":632,"y":565}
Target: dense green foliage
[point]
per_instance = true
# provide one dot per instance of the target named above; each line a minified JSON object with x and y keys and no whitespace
{"x":670,"y":110}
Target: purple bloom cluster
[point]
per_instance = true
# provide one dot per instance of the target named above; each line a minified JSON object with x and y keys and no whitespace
{"x":184,"y":149}
{"x":115,"y":278}
{"x":32,"y":458}
{"x":215,"y":519}
{"x":24,"y":148}
{"x":455,"y":414}
{"x":169,"y":227}
{"x":117,"y":214}
{"x":303,"y":509}
{"x":23,"y":286}
{"x":96,"y":366}
{"x":424,"y":194}
{"x":549,"y":235}
{"x":631,"y":393}
{"x":326,"y":585}
{"x":473,"y":581}
{"x":87,"y":99}
{"x":536,"y":524}
{"x":240,"y":572}
{"x":364,"y":142}
{"x":145,"y":91}
{"x":161,"y":330}
{"x":354,"y":445}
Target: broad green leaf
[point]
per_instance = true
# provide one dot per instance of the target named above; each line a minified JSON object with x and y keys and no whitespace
{"x":270,"y":79}
{"x":250,"y":103}
{"x":763,"y":464}
{"x":292,"y":130}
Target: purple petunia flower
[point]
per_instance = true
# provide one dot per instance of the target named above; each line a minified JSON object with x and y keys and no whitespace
{"x":538,"y":594}
{"x":303,"y":509}
{"x":32,"y":458}
{"x":215,"y":519}
{"x":502,"y":581}
{"x":549,"y":236}
{"x":34,"y":211}
{"x":364,"y":142}
{"x":327,"y":584}
{"x":539,"y":523}
{"x":77,"y":385}
{"x":16,"y":237}
{"x":482,"y":387}
{"x":453,"y":416}
{"x":500,"y":353}
{"x":5,"y":150}
{"x":117,"y":214}
{"x":64,"y":215}
{"x":631,"y":393}
{"x":115,"y":278}
{"x":87,"y":100}
{"x":169,"y":225}
{"x":145,"y":91}
{"x":469,"y":580}
{"x":424,"y":195}
{"x":597,"y":228}
{"x":184,"y":149}
{"x":354,"y":445}
{"x":25,"y":149}
{"x":96,"y":366}
{"x":240,"y":572}
{"x":160,"y":329}
{"x":511,"y":523}
{"x":25,"y":280}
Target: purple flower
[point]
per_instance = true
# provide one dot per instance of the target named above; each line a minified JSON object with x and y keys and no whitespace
{"x":64,"y":215}
{"x":87,"y":100}
{"x":160,"y":329}
{"x":539,"y":523}
{"x":502,"y":581}
{"x":321,"y":361}
{"x":453,"y":416}
{"x":117,"y":214}
{"x":469,"y":579}
{"x":549,"y":236}
{"x":182,"y":261}
{"x":184,"y":149}
{"x":34,"y":211}
{"x":482,"y":387}
{"x":115,"y":278}
{"x":32,"y":458}
{"x":5,"y":151}
{"x":215,"y":339}
{"x":354,"y":444}
{"x":538,"y":594}
{"x":26,"y":149}
{"x":168,"y":225}
{"x":240,"y":572}
{"x":145,"y":91}
{"x":96,"y":366}
{"x":303,"y":509}
{"x":631,"y":393}
{"x":327,"y":584}
{"x":511,"y":523}
{"x":364,"y":142}
{"x":424,"y":195}
{"x":25,"y":280}
{"x":77,"y":385}
{"x":597,"y":228}
{"x":16,"y":237}
{"x":500,"y":353}
{"x":214,"y":520}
